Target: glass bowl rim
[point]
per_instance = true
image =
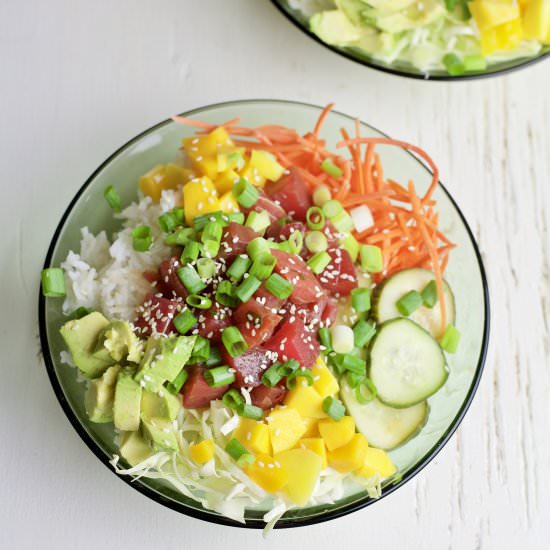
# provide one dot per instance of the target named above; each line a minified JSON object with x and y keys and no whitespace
{"x":205,"y":515}
{"x":397,"y":72}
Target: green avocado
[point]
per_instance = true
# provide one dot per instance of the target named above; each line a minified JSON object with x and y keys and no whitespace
{"x":127,"y":405}
{"x":163,"y":360}
{"x":99,"y":396}
{"x":334,"y":27}
{"x":119,"y":340}
{"x":133,"y":448}
{"x":160,"y":433}
{"x":81,"y":336}
{"x":163,"y":405}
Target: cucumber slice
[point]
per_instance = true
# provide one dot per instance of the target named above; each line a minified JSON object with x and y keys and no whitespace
{"x":391,"y":290}
{"x":384,"y":427}
{"x":406,"y":364}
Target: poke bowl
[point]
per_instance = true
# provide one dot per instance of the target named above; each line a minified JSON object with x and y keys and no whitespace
{"x":277,"y":348}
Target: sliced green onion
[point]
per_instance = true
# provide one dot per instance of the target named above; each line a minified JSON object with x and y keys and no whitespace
{"x":235,"y":449}
{"x":80,"y":312}
{"x":180,"y":236}
{"x":360,"y":299}
{"x":354,"y":379}
{"x":319,"y":262}
{"x":315,"y":218}
{"x":225,"y":294}
{"x":429,"y":294}
{"x":316,"y":241}
{"x":184,"y":321}
{"x":263,"y":266}
{"x":371,"y":258}
{"x":167,"y":221}
{"x":246,"y":460}
{"x":219,"y":376}
{"x":289,"y":367}
{"x":332,"y":208}
{"x":206,"y":268}
{"x":343,"y":222}
{"x":321,"y":194}
{"x":331,"y":169}
{"x":212,"y":231}
{"x":371,"y":388}
{"x":190,"y":279}
{"x":142,"y":238}
{"x":272,"y":376}
{"x":351,"y":363}
{"x":245,"y":193}
{"x":409,"y":303}
{"x":292,"y":380}
{"x":233,"y":399}
{"x":53,"y":282}
{"x":201,"y":350}
{"x":190,"y":252}
{"x":278,"y":286}
{"x":258,"y":221}
{"x":210,"y":248}
{"x":258,"y":246}
{"x":233,"y":341}
{"x":295,"y":242}
{"x":237,"y":217}
{"x":179,"y":215}
{"x":251,"y":411}
{"x":325,"y":338}
{"x":200,"y":222}
{"x":363,"y":332}
{"x":178,"y":382}
{"x":334,"y":408}
{"x":214,"y":358}
{"x":450,"y":339}
{"x":239,"y":267}
{"x":475,"y":63}
{"x":113,"y":198}
{"x":349,"y":243}
{"x":247,"y":288}
{"x":283,"y":245}
{"x":453,"y":64}
{"x":198,"y":301}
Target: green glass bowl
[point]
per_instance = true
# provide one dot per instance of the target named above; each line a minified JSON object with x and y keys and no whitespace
{"x":403,"y":68}
{"x":159,"y":144}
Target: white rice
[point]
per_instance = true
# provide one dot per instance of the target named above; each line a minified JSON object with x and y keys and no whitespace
{"x":108,"y":277}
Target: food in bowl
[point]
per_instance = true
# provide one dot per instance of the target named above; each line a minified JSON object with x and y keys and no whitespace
{"x":269,"y":321}
{"x":456,"y":36}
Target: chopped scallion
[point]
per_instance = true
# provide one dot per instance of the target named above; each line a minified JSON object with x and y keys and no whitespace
{"x":219,"y":376}
{"x":278,"y":286}
{"x":53,"y":282}
{"x":450,"y":339}
{"x":258,"y":221}
{"x":325,"y":338}
{"x":409,"y":303}
{"x":190,"y":252}
{"x":272,"y":376}
{"x":295,"y":242}
{"x":235,"y":449}
{"x":184,"y":321}
{"x":167,"y":221}
{"x":239,"y":267}
{"x":331,"y":169}
{"x":142,"y":239}
{"x":198,"y":301}
{"x":334,"y":408}
{"x":360,"y":299}
{"x":319,"y":262}
{"x":233,"y":341}
{"x":349,"y":243}
{"x":363,"y":332}
{"x":225,"y":294}
{"x":245,"y":193}
{"x":113,"y":198}
{"x":321,"y":194}
{"x":316,"y":241}
{"x":251,"y":411}
{"x":191,"y":279}
{"x":258,"y":246}
{"x":178,"y":382}
{"x":315,"y":218}
{"x":371,"y":392}
{"x":429,"y":294}
{"x":206,"y":267}
{"x":263,"y":266}
{"x":247,"y":288}
{"x":233,"y":399}
{"x":371,"y":258}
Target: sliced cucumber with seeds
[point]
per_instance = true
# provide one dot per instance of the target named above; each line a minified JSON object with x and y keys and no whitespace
{"x":384,"y":427}
{"x":386,"y":295}
{"x":406,"y":364}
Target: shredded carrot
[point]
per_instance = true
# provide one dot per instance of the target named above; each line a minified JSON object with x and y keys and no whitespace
{"x":322,"y":117}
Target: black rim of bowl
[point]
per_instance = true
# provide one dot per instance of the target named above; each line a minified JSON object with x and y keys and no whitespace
{"x":203,"y":515}
{"x":348,"y":54}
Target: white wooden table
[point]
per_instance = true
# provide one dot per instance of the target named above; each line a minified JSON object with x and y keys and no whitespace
{"x":80,"y":78}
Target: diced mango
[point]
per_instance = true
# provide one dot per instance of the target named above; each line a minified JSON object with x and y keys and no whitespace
{"x":306,"y":401}
{"x":230,"y":158}
{"x":202,"y":452}
{"x":228,"y":203}
{"x":161,"y":177}
{"x":336,"y":433}
{"x":311,"y":427}
{"x":378,"y":462}
{"x":351,"y":456}
{"x":266,"y":164}
{"x":253,"y":435}
{"x":208,"y":145}
{"x":199,"y":197}
{"x":303,"y":469}
{"x":504,"y":37}
{"x":206,"y":166}
{"x":315,"y":445}
{"x":323,"y":380}
{"x":268,"y":473}
{"x":286,"y":427}
{"x":536,"y":21}
{"x":489,"y":14}
{"x":225,"y":181}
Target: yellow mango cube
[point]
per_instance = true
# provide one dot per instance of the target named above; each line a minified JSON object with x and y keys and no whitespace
{"x":378,"y":462}
{"x":230,"y":158}
{"x":504,"y":37}
{"x":286,"y":427}
{"x":266,"y":164}
{"x":351,"y":456}
{"x":303,"y":469}
{"x":225,"y":181}
{"x":536,"y":21}
{"x":336,"y":433}
{"x":489,"y":14}
{"x":228,"y":203}
{"x":199,"y":197}
{"x":206,"y":166}
{"x":161,"y":177}
{"x":315,"y":445}
{"x":253,"y":435}
{"x":306,"y":401}
{"x":311,"y":427}
{"x":208,"y":145}
{"x":324,"y":381}
{"x":202,"y":452}
{"x":268,"y":473}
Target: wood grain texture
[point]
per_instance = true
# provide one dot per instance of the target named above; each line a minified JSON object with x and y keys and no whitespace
{"x":80,"y":78}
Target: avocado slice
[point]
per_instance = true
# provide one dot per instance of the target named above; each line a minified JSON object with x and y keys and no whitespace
{"x":162,"y":405}
{"x":163,"y":360}
{"x":81,"y":337}
{"x":159,"y":432}
{"x":127,"y":405}
{"x":333,"y":27}
{"x":133,"y":448}
{"x":99,"y":396}
{"x":120,"y":341}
